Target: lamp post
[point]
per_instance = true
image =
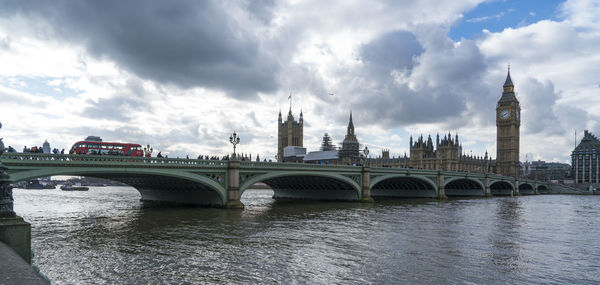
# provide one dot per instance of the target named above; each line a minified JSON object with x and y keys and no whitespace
{"x":6,"y":197}
{"x":148,"y":151}
{"x":234,"y":140}
{"x":366,"y":152}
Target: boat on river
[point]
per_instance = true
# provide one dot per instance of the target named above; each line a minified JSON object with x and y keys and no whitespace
{"x":71,"y":187}
{"x":34,"y":185}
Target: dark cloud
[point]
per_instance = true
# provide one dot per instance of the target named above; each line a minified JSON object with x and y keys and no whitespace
{"x":404,"y":83}
{"x":187,"y":43}
{"x":395,"y":50}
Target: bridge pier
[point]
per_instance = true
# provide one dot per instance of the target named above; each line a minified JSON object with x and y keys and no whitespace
{"x":14,"y":231}
{"x":366,"y":185}
{"x":441,"y":186}
{"x":233,"y":186}
{"x":488,"y":190}
{"x":517,"y":193}
{"x":535,"y":188}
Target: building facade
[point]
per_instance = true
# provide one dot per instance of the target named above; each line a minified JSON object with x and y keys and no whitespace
{"x":289,"y":133}
{"x":508,"y":121}
{"x":446,"y":154}
{"x":584,"y":159}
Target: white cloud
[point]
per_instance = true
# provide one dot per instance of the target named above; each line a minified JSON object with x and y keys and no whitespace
{"x":314,"y":48}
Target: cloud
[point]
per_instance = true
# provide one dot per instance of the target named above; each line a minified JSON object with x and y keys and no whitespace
{"x":183,"y":75}
{"x":189,"y":44}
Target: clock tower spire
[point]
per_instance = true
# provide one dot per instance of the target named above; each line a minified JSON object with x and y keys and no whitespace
{"x":508,"y":121}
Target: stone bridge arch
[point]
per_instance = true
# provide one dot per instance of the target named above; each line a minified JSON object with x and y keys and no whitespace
{"x":463,"y":186}
{"x":526,"y":188}
{"x":403,"y":186}
{"x":157,"y":185}
{"x":309,"y":185}
{"x":501,"y":188}
{"x":543,"y":189}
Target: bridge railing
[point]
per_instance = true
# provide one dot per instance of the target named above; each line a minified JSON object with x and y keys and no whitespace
{"x":18,"y":158}
{"x":291,"y":165}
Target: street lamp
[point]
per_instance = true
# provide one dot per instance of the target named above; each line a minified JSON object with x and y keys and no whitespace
{"x":234,"y":140}
{"x":148,"y":151}
{"x":366,"y":152}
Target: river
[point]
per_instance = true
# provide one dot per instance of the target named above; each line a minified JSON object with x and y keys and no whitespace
{"x":107,"y":236}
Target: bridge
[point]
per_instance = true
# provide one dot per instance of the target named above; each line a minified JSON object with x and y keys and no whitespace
{"x":220,"y":183}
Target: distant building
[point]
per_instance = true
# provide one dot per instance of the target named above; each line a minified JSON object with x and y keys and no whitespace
{"x":289,"y":133}
{"x":350,"y":152}
{"x":584,"y":159}
{"x":322,"y":157}
{"x":46,"y":147}
{"x":326,"y":145}
{"x":293,"y":153}
{"x":542,"y":170}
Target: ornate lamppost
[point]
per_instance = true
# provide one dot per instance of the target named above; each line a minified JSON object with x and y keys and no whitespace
{"x":366,"y":152}
{"x":148,"y":151}
{"x":6,"y":197}
{"x":234,"y":140}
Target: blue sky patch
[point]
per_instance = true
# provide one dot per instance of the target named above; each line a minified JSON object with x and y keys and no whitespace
{"x":38,"y":85}
{"x":495,"y":16}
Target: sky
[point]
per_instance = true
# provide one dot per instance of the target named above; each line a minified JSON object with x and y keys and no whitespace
{"x":183,"y":75}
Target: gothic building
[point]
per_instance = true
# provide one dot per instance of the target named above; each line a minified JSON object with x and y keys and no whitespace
{"x":508,"y":121}
{"x":445,"y":154}
{"x":349,"y":154}
{"x":289,"y":133}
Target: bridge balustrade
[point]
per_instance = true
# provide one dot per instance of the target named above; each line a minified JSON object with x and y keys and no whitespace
{"x":35,"y":157}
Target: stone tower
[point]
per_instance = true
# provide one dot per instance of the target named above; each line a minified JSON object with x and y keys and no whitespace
{"x":350,"y":152}
{"x":289,"y":133}
{"x":508,"y":121}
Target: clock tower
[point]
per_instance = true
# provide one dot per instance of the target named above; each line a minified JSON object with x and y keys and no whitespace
{"x":508,"y":121}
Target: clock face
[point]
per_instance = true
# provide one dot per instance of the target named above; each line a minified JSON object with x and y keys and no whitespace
{"x":505,"y":114}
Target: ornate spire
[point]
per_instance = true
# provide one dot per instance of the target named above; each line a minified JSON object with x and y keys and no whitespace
{"x":350,"y":125}
{"x":508,"y":84}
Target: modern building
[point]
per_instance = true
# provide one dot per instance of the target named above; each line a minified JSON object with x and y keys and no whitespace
{"x":585,"y":159}
{"x":541,"y":170}
{"x":289,"y":133}
{"x":46,"y":147}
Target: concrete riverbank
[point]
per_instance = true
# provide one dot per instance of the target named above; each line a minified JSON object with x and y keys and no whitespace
{"x":14,"y":270}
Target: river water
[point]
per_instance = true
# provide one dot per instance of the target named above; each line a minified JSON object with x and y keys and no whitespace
{"x":107,"y":236}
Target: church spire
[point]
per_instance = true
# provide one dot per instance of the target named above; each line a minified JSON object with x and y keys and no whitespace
{"x":350,"y":125}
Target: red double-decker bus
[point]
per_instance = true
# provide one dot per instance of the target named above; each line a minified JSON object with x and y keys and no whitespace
{"x":95,"y":146}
